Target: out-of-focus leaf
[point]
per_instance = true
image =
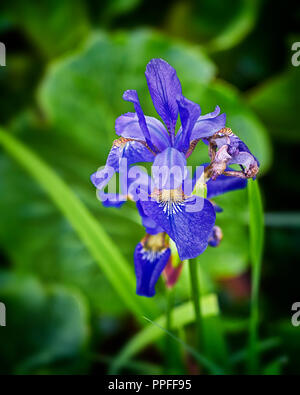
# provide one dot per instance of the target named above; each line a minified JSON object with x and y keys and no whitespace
{"x":180,"y":316}
{"x":114,"y":8}
{"x":290,"y":342}
{"x":262,"y":346}
{"x":275,"y":367}
{"x":277,"y":103}
{"x":283,"y":219}
{"x":102,"y":249}
{"x":54,"y":26}
{"x":43,"y":325}
{"x":216,"y":24}
{"x":239,"y":26}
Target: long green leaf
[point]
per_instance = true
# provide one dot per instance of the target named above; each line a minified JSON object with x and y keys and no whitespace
{"x":181,"y":315}
{"x":101,"y":247}
{"x":256,"y":225}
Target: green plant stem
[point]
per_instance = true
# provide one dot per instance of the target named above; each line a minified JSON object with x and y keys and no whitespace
{"x":196,"y":298}
{"x":256,"y":247}
{"x":254,"y":319}
{"x":168,"y":342}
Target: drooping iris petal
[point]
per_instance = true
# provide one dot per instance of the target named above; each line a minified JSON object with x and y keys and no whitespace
{"x":228,"y":149}
{"x":128,"y":126}
{"x":241,"y":155}
{"x":132,"y":96}
{"x":189,"y":113}
{"x":132,"y":151}
{"x":164,"y":87}
{"x":169,"y":169}
{"x":149,"y":264}
{"x":189,"y":229}
{"x":122,"y":155}
{"x":224,"y":184}
{"x":111,"y":199}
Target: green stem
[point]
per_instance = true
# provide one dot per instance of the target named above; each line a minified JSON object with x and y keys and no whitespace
{"x":196,"y":298}
{"x":256,"y":247}
{"x":254,"y":319}
{"x":168,"y":343}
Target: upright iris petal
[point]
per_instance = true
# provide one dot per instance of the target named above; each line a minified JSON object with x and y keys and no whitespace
{"x":202,"y":128}
{"x":208,"y":124}
{"x":169,"y":169}
{"x":164,"y":87}
{"x":131,"y":95}
{"x":189,"y":113}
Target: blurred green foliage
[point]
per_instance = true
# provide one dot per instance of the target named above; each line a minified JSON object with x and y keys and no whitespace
{"x":68,"y":64}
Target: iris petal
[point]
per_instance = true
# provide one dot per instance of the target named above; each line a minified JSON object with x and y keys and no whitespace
{"x":208,"y":124}
{"x":121,"y":156}
{"x":132,"y":96}
{"x":169,"y":169}
{"x":164,"y":87}
{"x":224,"y":184}
{"x":189,"y":113}
{"x":149,"y":265}
{"x":128,"y":126}
{"x":149,"y":224}
{"x":190,"y":230}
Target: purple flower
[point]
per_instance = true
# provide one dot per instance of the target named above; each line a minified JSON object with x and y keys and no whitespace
{"x":163,"y":202}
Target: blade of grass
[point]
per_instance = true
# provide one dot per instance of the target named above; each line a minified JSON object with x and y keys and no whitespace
{"x":211,"y":366}
{"x":181,"y":316}
{"x":93,"y":236}
{"x":256,"y":227}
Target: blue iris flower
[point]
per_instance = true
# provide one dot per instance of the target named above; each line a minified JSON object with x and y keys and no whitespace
{"x":165,"y":208}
